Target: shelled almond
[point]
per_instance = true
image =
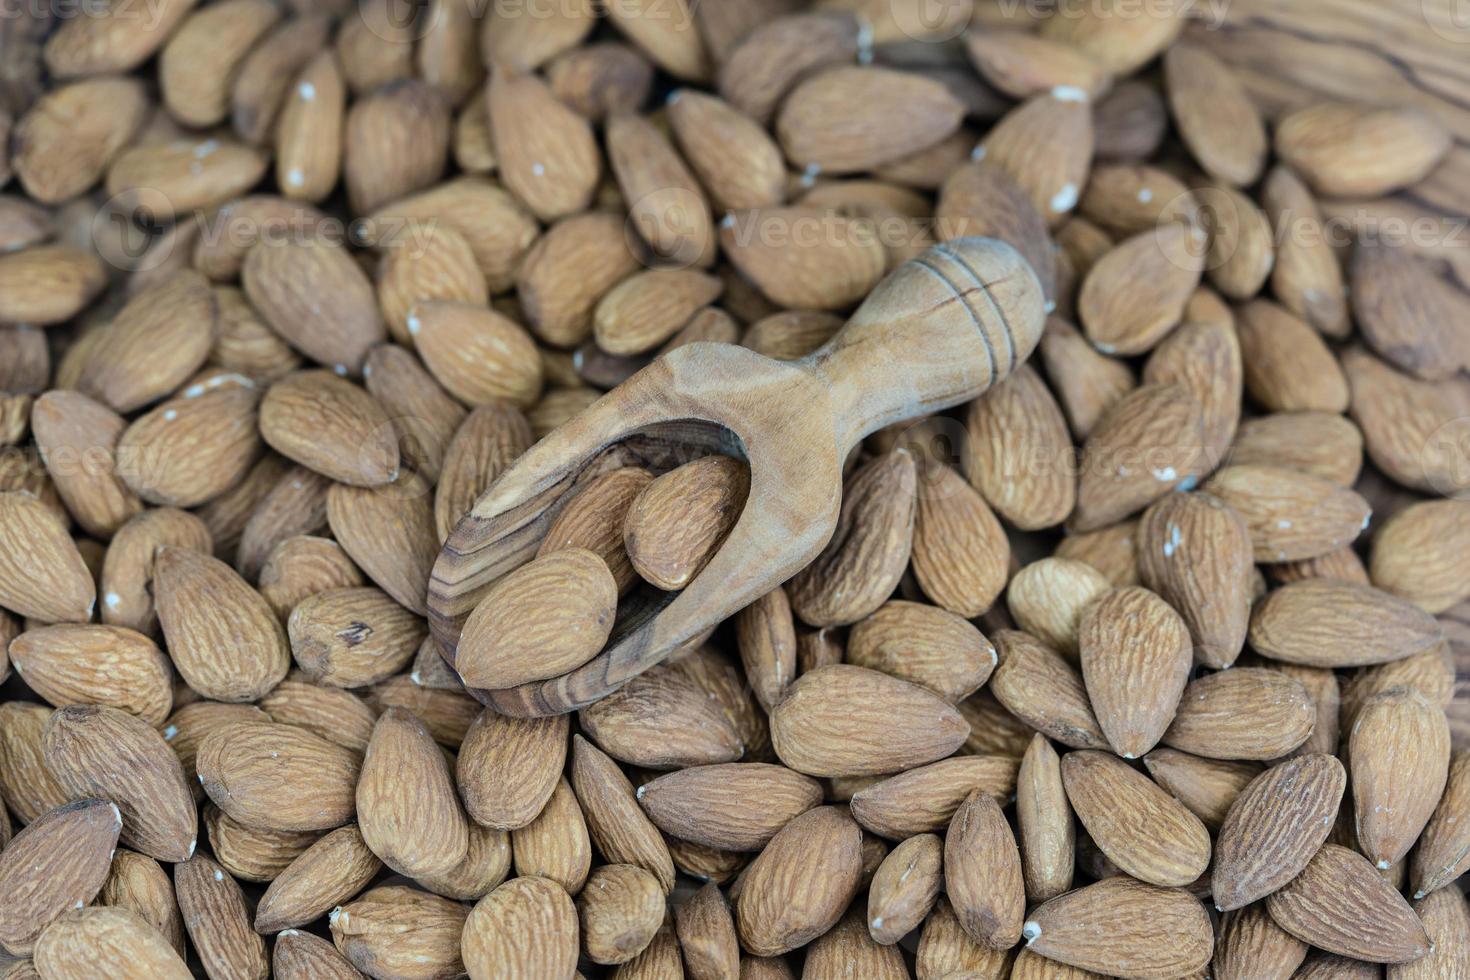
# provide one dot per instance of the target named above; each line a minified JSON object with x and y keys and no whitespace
{"x":1151,"y":661}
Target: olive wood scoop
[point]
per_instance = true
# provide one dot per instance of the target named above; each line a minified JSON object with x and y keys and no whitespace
{"x":938,"y":331}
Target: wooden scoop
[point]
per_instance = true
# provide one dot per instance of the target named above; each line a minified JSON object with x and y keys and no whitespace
{"x":938,"y":331}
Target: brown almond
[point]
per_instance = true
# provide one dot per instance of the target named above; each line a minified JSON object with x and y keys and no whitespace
{"x":556,"y":844}
{"x":546,"y":152}
{"x":1149,"y":443}
{"x":761,"y":69}
{"x":982,"y":873}
{"x":505,"y":640}
{"x":1120,"y":926}
{"x":1204,"y":357}
{"x":222,"y":636}
{"x":863,"y":562}
{"x":438,"y":265}
{"x":805,"y":258}
{"x":139,"y":884}
{"x":620,"y":911}
{"x":56,"y":863}
{"x":925,"y":645}
{"x":1195,"y":552}
{"x":1120,"y":40}
{"x":924,"y":799}
{"x":799,"y":885}
{"x":1136,"y":657}
{"x":1135,"y":294}
{"x":338,"y":716}
{"x":395,"y":141}
{"x":1444,"y":850}
{"x":477,"y":354}
{"x":594,"y":520}
{"x":285,"y":280}
{"x":164,"y":179}
{"x":278,"y":776}
{"x":353,"y":637}
{"x":1020,"y":453}
{"x":1399,"y":754}
{"x":525,"y":928}
{"x":1046,"y":145}
{"x":332,"y":426}
{"x":1251,"y":945}
{"x":304,"y":566}
{"x":1288,"y":367}
{"x":1340,"y":904}
{"x":486,"y":442}
{"x":78,"y":439}
{"x":26,"y":782}
{"x":1048,"y":598}
{"x":407,"y":809}
{"x":218,"y":924}
{"x":1291,"y":515}
{"x":706,"y":931}
{"x":326,"y":874}
{"x":1307,"y":277}
{"x":1418,"y":551}
{"x":1039,"y":686}
{"x":1086,"y":382}
{"x":42,"y":574}
{"x":400,"y":930}
{"x":83,"y":664}
{"x":622,"y":832}
{"x":1408,"y":423}
{"x":1045,"y":828}
{"x":568,"y":270}
{"x":1215,"y":116}
{"x":251,"y":854}
{"x":99,"y":751}
{"x":733,"y":807}
{"x":905,"y":888}
{"x":1328,"y":623}
{"x":189,"y":450}
{"x":1275,"y":827}
{"x":1247,"y":713}
{"x":1321,"y":443}
{"x":1356,"y":150}
{"x":733,"y":154}
{"x":302,"y":956}
{"x":67,"y":138}
{"x":508,"y":767}
{"x":666,"y":208}
{"x":105,"y":941}
{"x":48,"y":284}
{"x":821,"y":726}
{"x":945,"y":948}
{"x":309,"y":131}
{"x":676,"y":523}
{"x":663,"y":718}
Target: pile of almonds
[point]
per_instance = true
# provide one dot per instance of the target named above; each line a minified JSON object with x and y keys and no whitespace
{"x":1132,"y":667}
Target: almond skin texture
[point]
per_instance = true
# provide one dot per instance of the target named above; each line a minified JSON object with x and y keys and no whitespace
{"x":508,"y":767}
{"x":544,"y":619}
{"x":329,"y":872}
{"x":282,"y":280}
{"x":105,"y":941}
{"x":1247,"y":713}
{"x":407,"y":809}
{"x":100,"y":751}
{"x":623,"y":834}
{"x":1327,"y":623}
{"x":389,"y":532}
{"x":214,"y":912}
{"x":923,"y":800}
{"x":58,"y":862}
{"x":1119,"y":926}
{"x":1419,"y":551}
{"x":664,"y":718}
{"x":982,"y":873}
{"x":332,"y":426}
{"x":401,"y":931}
{"x":1291,"y":515}
{"x":735,"y":807}
{"x":960,"y":552}
{"x":1274,"y":827}
{"x":1196,"y":554}
{"x":1340,"y":904}
{"x":825,"y":725}
{"x":1017,"y":433}
{"x":1142,"y":829}
{"x":547,"y":154}
{"x":1214,"y":114}
{"x":799,"y":885}
{"x":70,"y":664}
{"x":1399,"y":753}
{"x":1251,"y":945}
{"x":1039,"y":686}
{"x":620,"y":911}
{"x":1444,"y":847}
{"x":1135,"y":294}
{"x":904,"y":888}
{"x":593,"y":519}
{"x":221,"y":634}
{"x":41,"y":572}
{"x":1045,"y":828}
{"x":1351,"y":150}
{"x":928,"y":646}
{"x":525,"y":929}
{"x":1136,"y":657}
{"x":278,"y":776}
{"x":675,"y":525}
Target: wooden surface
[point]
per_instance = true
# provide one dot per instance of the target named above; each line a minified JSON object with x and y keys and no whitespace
{"x":939,"y":331}
{"x":1291,"y":53}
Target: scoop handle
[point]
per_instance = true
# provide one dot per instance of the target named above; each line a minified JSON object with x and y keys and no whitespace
{"x":939,"y":330}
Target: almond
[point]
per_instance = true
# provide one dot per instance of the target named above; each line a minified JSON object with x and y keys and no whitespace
{"x":508,"y":767}
{"x":602,"y":78}
{"x":1215,"y":116}
{"x":1290,"y":515}
{"x":353,"y":637}
{"x":400,"y":930}
{"x":675,"y":525}
{"x":285,"y":280}
{"x":733,"y":154}
{"x":1416,"y":554}
{"x":805,"y":258}
{"x":1121,"y":926}
{"x":1275,"y":827}
{"x":139,"y":884}
{"x":389,"y":532}
{"x":30,"y":788}
{"x":568,"y":270}
{"x":1321,"y":443}
{"x":190,"y":450}
{"x":737,"y":807}
{"x":546,"y":152}
{"x":556,"y":844}
{"x":1022,"y":65}
{"x":982,"y":873}
{"x":799,"y":885}
{"x":1288,"y":368}
{"x":668,"y":35}
{"x":1406,"y":423}
{"x":905,"y":888}
{"x":65,"y":141}
{"x":1136,"y":657}
{"x":1407,"y":312}
{"x":437,"y":266}
{"x":164,"y":179}
{"x":1019,"y":452}
{"x":221,"y":634}
{"x":1195,"y":552}
{"x":111,"y":665}
{"x":1046,"y":145}
{"x":486,"y":442}
{"x":42,"y":574}
{"x":862,"y":563}
{"x":1148,"y":443}
{"x":304,"y":566}
{"x":706,"y":933}
{"x":620,"y":911}
{"x":505,"y":641}
{"x":945,"y":948}
{"x":300,"y":955}
{"x":105,"y":941}
{"x":1399,"y":756}
{"x":1086,"y":382}
{"x":99,"y":751}
{"x":594,"y":519}
{"x":1048,"y":598}
{"x":295,"y":504}
{"x":477,"y":354}
{"x":666,"y":205}
{"x":1119,"y":38}
{"x":1040,"y":687}
{"x":214,"y":912}
{"x":1249,"y":713}
{"x":56,"y":863}
{"x":1340,"y":904}
{"x":928,"y":646}
{"x":623,"y":834}
{"x":1251,"y":945}
{"x":924,"y":799}
{"x":1307,"y":277}
{"x":763,"y":67}
{"x":48,"y":284}
{"x":79,"y":441}
{"x":1045,"y":828}
{"x":395,"y":142}
{"x":663,"y":718}
{"x":407,"y":809}
{"x":1327,"y":623}
{"x":250,"y":854}
{"x":1353,"y":150}
{"x":278,"y":776}
{"x":332,"y":426}
{"x":326,"y":874}
{"x":1135,"y":294}
{"x":1443,"y":851}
